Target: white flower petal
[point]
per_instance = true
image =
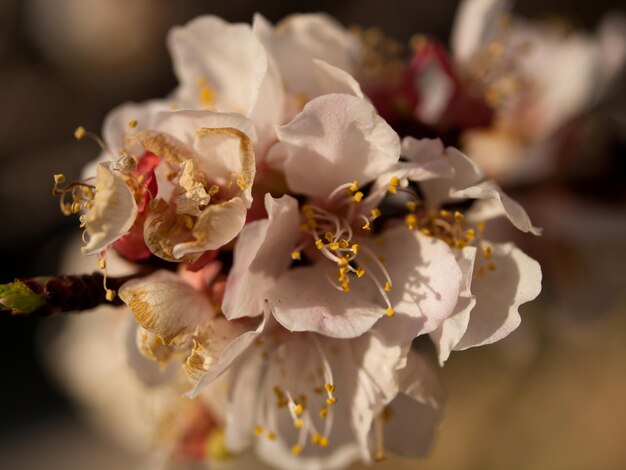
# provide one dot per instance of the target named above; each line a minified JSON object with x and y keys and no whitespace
{"x":336,"y":139}
{"x":499,"y":204}
{"x":228,"y":56}
{"x":499,"y":293}
{"x":453,"y":328}
{"x":166,"y":306}
{"x":475,"y":22}
{"x":304,"y":300}
{"x":261,"y":255}
{"x":425,"y":277}
{"x":414,"y":413}
{"x":113,"y":213}
{"x":299,"y":39}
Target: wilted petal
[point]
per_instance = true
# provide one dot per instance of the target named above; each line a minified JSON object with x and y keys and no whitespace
{"x":166,"y":306}
{"x":215,"y":349}
{"x":261,"y":255}
{"x":496,"y":203}
{"x":515,"y":280}
{"x":113,"y":213}
{"x":448,"y":335}
{"x":334,"y":140}
{"x":217,"y":225}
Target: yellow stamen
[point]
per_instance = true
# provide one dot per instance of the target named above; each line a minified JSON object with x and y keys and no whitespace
{"x":258,"y":430}
{"x":59,"y":178}
{"x":411,"y":221}
{"x":375,"y":213}
{"x":331,"y":400}
{"x":295,"y":255}
{"x":110,"y":295}
{"x":319,"y":244}
{"x":387,"y":286}
{"x":358,"y":197}
{"x":390,"y":312}
{"x":298,"y":423}
{"x":80,"y":132}
{"x":298,"y":409}
{"x":355,"y":186}
{"x":296,"y":449}
{"x":411,"y":205}
{"x":458,"y":216}
{"x":330,"y":388}
{"x":329,"y":237}
{"x":132,"y":124}
{"x":360,"y":272}
{"x":355,"y":249}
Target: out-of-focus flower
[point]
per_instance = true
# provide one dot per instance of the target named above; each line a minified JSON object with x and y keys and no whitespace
{"x":536,"y":76}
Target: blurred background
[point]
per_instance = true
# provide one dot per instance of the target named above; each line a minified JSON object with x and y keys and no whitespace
{"x":549,"y":396}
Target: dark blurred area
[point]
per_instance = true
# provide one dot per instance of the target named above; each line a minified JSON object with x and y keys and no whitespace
{"x":65,"y":63}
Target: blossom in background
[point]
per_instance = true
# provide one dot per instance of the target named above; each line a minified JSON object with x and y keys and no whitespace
{"x":536,"y":76}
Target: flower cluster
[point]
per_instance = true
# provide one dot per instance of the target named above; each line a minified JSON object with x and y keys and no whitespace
{"x":296,"y":245}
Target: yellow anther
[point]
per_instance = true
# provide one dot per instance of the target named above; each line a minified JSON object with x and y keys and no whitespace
{"x":487,"y":251}
{"x":387,"y":286}
{"x":315,"y":438}
{"x":323,"y":441}
{"x":213,"y":190}
{"x":411,"y":221}
{"x":296,"y":449}
{"x":394,"y":182}
{"x":298,"y":409}
{"x":460,"y":244}
{"x":271,"y":435}
{"x":305,"y":228}
{"x":343,"y":271}
{"x":343,"y":261}
{"x":132,"y":123}
{"x":355,"y":249}
{"x":458,"y":216}
{"x":343,"y":243}
{"x":355,"y":186}
{"x":390,"y":312}
{"x":319,"y":244}
{"x":480,"y":225}
{"x":295,"y":255}
{"x":75,"y":207}
{"x":329,"y":237}
{"x":331,"y":400}
{"x":367,"y":226}
{"x":102,"y":263}
{"x":330,"y":388}
{"x":426,"y":232}
{"x":59,"y":178}
{"x":411,"y":205}
{"x":298,"y":423}
{"x":110,"y":295}
{"x":323,"y":412}
{"x":360,"y":272}
{"x":242,"y":183}
{"x":80,"y":132}
{"x":444,"y":213}
{"x":258,"y":430}
{"x":345,"y":286}
{"x":334,"y":246}
{"x":470,"y":234}
{"x":358,"y":196}
{"x":375,"y":213}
